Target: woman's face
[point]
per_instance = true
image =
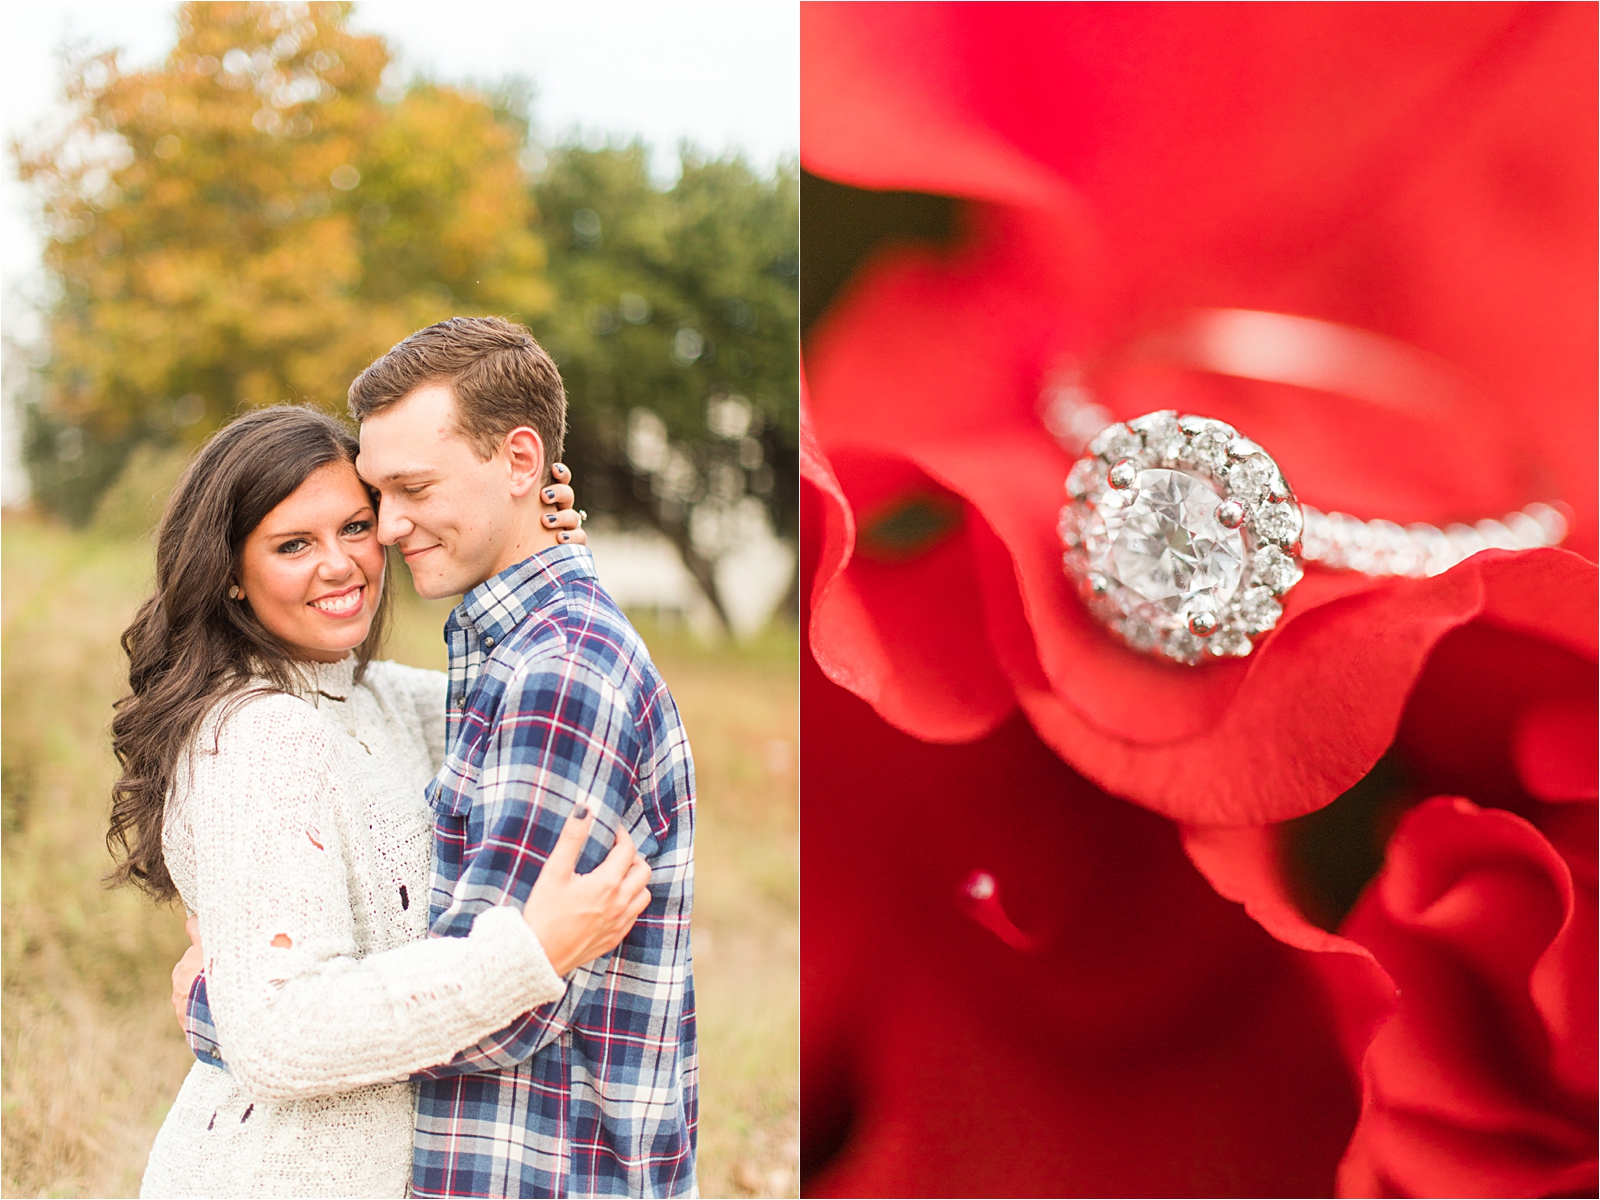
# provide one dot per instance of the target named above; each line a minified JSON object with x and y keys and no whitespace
{"x":312,"y":571}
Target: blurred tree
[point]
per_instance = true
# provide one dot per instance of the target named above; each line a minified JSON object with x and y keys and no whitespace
{"x":254,"y":221}
{"x":268,"y":211}
{"x":677,"y":335}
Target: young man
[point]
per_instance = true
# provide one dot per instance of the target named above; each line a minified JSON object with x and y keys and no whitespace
{"x":553,"y":703}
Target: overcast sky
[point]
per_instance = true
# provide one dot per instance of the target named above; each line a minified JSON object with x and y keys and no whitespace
{"x":724,"y":74}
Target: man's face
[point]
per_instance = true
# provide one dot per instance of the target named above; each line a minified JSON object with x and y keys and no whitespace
{"x":451,"y":513}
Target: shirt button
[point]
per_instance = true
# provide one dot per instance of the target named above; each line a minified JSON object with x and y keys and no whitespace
{"x":461,"y":701}
{"x":488,"y":642}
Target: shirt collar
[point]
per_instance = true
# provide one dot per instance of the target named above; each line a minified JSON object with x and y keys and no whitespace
{"x":499,"y":604}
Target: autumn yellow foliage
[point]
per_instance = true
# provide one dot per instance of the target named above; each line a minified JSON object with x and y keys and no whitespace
{"x":254,"y":221}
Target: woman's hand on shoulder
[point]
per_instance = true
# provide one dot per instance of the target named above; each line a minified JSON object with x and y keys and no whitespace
{"x":578,"y":918}
{"x":557,"y":500}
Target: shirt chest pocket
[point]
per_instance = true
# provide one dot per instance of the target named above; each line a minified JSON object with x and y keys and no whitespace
{"x":451,"y":791}
{"x":637,"y":822}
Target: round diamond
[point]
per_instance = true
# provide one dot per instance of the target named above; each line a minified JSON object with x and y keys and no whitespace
{"x":1070,"y":526}
{"x":1138,"y":634}
{"x":1114,"y":442}
{"x":1160,"y":546}
{"x":1279,"y":523}
{"x":1184,"y":647}
{"x":1275,"y":569}
{"x":1162,"y":436}
{"x":1229,"y":643}
{"x":1208,"y":447}
{"x":1243,"y":447}
{"x":1252,"y":478}
{"x":1150,"y":558}
{"x":1081,"y":479}
{"x":1258,"y":610}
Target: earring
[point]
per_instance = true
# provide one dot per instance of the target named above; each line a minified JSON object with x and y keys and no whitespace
{"x":233,"y":592}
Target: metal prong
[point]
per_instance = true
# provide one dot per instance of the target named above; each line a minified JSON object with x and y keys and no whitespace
{"x":1202,"y":624}
{"x":1230,"y":514}
{"x":1123,"y":474}
{"x":1099,"y":584}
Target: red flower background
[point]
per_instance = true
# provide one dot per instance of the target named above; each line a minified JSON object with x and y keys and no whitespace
{"x":1181,"y":985}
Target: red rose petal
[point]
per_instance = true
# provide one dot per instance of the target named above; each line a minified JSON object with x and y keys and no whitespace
{"x":1551,"y":594}
{"x":1466,"y":725}
{"x":831,"y":539}
{"x":1150,"y":1041}
{"x":872,"y":127}
{"x":1483,"y":1082}
{"x":1557,"y":748}
{"x":1243,"y":864}
{"x":986,"y":103}
{"x":905,"y":633}
{"x":1253,"y":1105}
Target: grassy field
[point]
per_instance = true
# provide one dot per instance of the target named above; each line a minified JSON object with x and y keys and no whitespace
{"x":91,"y":1054}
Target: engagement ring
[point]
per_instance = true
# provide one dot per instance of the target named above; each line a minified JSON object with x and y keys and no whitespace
{"x":1184,"y":537}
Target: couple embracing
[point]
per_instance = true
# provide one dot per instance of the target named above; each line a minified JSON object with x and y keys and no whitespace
{"x":443,"y":920}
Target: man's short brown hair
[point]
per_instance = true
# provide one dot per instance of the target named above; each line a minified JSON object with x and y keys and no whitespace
{"x":502,"y":378}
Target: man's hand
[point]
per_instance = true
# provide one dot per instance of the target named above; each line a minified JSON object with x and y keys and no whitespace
{"x":581,"y":917}
{"x":187,"y":970}
{"x":557,"y":500}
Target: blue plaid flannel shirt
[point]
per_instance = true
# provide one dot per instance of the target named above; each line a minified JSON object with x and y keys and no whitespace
{"x":553,"y":701}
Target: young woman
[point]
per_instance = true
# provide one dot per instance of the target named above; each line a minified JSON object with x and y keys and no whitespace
{"x":273,"y":778}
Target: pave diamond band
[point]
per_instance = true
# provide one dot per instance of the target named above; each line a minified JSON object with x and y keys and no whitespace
{"x":1183,"y":537}
{"x":1346,"y":543}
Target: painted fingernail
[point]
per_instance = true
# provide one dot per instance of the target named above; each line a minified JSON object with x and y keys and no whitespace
{"x":550,"y":519}
{"x":565,"y":537}
{"x":581,"y":812}
{"x":550,"y":495}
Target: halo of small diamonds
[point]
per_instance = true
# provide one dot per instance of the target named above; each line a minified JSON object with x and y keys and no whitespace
{"x":1188,"y":553}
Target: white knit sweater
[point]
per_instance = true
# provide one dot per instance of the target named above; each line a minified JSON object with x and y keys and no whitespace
{"x":303,"y":816}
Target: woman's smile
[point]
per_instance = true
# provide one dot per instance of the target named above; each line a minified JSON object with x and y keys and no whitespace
{"x":341,"y":604}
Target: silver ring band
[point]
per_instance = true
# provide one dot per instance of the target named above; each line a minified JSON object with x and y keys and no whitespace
{"x":1345,"y":543}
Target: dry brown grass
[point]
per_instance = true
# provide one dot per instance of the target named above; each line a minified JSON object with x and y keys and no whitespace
{"x":91,"y":1055}
{"x":742,"y":712}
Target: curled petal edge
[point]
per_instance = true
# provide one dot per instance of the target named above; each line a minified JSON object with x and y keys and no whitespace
{"x":876,"y":630}
{"x":1242,"y":864}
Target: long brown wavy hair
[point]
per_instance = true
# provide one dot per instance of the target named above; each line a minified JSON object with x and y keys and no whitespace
{"x":190,"y":646}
